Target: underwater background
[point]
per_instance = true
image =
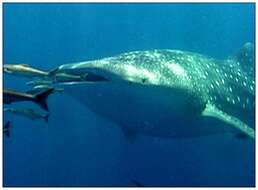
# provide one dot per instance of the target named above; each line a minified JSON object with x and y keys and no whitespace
{"x":79,"y":148}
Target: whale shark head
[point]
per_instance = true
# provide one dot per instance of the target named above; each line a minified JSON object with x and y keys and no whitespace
{"x":147,"y":68}
{"x":159,"y":92}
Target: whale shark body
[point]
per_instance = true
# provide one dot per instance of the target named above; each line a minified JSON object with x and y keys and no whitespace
{"x":170,"y":93}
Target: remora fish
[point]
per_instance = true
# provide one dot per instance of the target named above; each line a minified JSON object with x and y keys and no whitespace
{"x":29,"y":113}
{"x":40,"y":88}
{"x":27,"y":71}
{"x":57,"y":78}
{"x":64,"y":77}
{"x":39,"y":82}
{"x":11,"y":96}
{"x":170,"y":93}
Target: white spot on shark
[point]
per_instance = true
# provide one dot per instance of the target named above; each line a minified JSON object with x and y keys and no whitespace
{"x":177,"y":70}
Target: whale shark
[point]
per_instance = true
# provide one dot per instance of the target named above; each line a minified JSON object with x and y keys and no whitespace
{"x":170,"y":93}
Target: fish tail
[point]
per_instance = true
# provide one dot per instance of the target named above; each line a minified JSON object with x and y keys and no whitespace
{"x":84,"y":77}
{"x":41,"y":98}
{"x":53,"y":72}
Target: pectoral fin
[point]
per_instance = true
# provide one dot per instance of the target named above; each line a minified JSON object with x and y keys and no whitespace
{"x":213,"y":111}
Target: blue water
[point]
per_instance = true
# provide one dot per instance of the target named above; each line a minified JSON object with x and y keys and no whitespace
{"x":79,"y":148}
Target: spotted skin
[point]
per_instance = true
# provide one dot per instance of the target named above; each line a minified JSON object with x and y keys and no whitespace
{"x":222,"y":83}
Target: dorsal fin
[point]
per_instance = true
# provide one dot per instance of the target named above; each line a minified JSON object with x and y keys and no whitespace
{"x":245,"y":57}
{"x":25,"y":65}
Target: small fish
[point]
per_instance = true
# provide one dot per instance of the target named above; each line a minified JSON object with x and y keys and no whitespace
{"x":39,"y":82}
{"x":64,"y":77}
{"x":27,"y":71}
{"x":11,"y":96}
{"x":28,"y":112}
{"x":39,"y":88}
{"x":6,"y":128}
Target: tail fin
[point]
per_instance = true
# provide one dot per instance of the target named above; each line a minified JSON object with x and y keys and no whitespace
{"x":52,"y":72}
{"x":7,"y":128}
{"x":46,"y":118}
{"x":41,"y":98}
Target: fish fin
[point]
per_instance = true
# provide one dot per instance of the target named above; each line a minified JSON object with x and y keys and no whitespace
{"x":84,"y":76}
{"x":25,"y":65}
{"x":53,"y":72}
{"x":212,"y":111}
{"x":41,"y":98}
{"x":46,"y":118}
{"x":245,"y":56}
{"x":129,"y":134}
{"x":36,"y":90}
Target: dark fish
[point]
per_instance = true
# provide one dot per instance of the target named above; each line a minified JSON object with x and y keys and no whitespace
{"x":29,"y":113}
{"x":6,"y":129}
{"x":11,"y":96}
